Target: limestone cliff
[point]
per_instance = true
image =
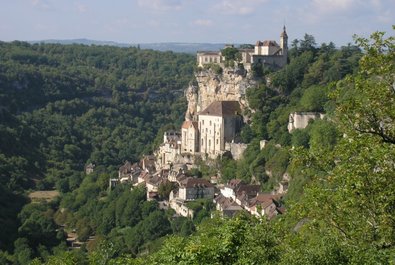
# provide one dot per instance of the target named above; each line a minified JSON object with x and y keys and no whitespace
{"x":231,"y":84}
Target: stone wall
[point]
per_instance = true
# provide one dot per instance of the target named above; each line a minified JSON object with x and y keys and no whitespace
{"x":236,"y":150}
{"x":300,"y":120}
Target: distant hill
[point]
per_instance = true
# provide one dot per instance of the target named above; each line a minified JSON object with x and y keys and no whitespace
{"x":160,"y":46}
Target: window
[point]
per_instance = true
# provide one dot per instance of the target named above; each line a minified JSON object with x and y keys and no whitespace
{"x":217,"y":141}
{"x":209,"y":142}
{"x":210,"y":123}
{"x":202,"y":142}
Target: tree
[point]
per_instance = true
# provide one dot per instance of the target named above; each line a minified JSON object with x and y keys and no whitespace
{"x":353,"y":202}
{"x":308,"y":43}
{"x":231,"y":54}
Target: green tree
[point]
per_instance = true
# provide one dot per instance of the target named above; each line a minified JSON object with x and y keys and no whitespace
{"x":314,"y":99}
{"x":352,"y":203}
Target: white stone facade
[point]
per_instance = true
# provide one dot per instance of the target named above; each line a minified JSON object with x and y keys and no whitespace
{"x":208,"y":57}
{"x":300,"y":120}
{"x":189,"y":137}
{"x":211,"y":130}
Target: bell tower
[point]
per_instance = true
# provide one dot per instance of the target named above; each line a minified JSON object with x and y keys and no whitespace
{"x":284,"y":44}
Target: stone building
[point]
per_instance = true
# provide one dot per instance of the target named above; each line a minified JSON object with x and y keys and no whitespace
{"x":169,"y":149}
{"x":195,"y":188}
{"x":267,"y":52}
{"x":300,"y":120}
{"x":208,"y":57}
{"x":218,"y":124}
{"x":189,"y":134}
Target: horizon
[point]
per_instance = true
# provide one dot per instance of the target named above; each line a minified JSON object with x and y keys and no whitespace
{"x":186,"y":21}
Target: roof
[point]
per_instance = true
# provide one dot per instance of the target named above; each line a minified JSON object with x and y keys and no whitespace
{"x":125,"y":168}
{"x":194,"y":182}
{"x":234,"y":183}
{"x":208,"y":53}
{"x":188,"y":124}
{"x":222,"y":108}
{"x":249,"y":190}
{"x":267,"y":43}
{"x":264,"y":199}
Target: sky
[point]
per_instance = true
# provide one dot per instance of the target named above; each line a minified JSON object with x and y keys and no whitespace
{"x":194,"y":21}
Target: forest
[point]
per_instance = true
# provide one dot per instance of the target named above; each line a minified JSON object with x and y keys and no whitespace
{"x":103,"y":105}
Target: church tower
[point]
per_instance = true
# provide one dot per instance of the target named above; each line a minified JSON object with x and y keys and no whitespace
{"x":284,"y":44}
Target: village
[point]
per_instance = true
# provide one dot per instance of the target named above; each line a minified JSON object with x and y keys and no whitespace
{"x":211,"y":129}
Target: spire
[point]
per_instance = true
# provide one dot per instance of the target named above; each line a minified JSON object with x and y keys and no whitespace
{"x":284,"y":33}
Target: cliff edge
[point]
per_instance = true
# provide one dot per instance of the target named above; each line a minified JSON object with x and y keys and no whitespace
{"x":230,"y":85}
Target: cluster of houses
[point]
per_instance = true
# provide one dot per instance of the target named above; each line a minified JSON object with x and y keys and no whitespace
{"x":229,"y":199}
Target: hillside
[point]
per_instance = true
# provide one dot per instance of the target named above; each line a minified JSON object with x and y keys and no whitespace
{"x":64,"y":106}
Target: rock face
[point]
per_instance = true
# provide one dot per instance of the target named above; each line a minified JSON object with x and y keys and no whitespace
{"x":231,"y":85}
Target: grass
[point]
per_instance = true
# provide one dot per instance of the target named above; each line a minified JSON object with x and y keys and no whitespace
{"x":43,"y":195}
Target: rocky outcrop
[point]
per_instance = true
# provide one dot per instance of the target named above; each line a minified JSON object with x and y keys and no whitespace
{"x":230,"y":85}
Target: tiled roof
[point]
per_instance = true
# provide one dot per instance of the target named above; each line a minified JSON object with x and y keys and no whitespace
{"x":267,"y":43}
{"x":193,"y":182}
{"x":188,"y":124}
{"x":222,"y":108}
{"x":249,"y":190}
{"x":234,"y":183}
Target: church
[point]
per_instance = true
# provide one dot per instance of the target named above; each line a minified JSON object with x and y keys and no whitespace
{"x":216,"y":125}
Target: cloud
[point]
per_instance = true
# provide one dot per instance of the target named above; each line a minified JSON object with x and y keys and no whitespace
{"x":43,"y":4}
{"x":333,"y":5}
{"x":161,"y":5}
{"x":386,"y":17}
{"x":81,"y":8}
{"x":237,"y":7}
{"x":203,"y":22}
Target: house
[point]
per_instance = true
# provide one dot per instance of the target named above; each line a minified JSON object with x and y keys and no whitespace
{"x":244,"y":193}
{"x":148,"y":163}
{"x":265,"y":205}
{"x":129,"y":172}
{"x":229,"y":190}
{"x":169,"y":149}
{"x":195,"y":188}
{"x":226,"y":206}
{"x":180,"y":207}
{"x":208,"y":57}
{"x":89,"y":168}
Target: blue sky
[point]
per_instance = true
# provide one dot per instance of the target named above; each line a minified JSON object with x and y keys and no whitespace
{"x":213,"y":21}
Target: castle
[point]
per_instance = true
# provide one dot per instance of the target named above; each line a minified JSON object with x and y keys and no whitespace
{"x":266,"y":52}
